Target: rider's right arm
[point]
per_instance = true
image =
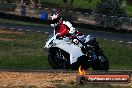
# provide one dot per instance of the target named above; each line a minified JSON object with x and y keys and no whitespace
{"x":72,"y":30}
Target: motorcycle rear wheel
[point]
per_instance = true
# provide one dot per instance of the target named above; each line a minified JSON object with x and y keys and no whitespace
{"x":81,"y":61}
{"x":101,"y":63}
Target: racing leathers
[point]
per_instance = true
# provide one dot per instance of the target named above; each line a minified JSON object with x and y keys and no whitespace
{"x":65,"y":28}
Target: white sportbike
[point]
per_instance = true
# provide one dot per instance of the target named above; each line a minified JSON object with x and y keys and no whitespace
{"x":64,"y":54}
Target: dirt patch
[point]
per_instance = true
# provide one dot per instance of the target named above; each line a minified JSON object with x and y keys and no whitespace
{"x":6,"y":31}
{"x":37,"y":79}
{"x":10,"y":32}
{"x":6,"y":39}
{"x":86,"y":20}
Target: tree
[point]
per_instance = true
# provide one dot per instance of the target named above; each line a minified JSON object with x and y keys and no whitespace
{"x":109,"y":12}
{"x":110,"y":8}
{"x":68,"y":3}
{"x":129,"y":2}
{"x":65,"y":1}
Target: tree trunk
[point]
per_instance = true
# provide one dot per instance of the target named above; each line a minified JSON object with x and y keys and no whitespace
{"x":65,"y":1}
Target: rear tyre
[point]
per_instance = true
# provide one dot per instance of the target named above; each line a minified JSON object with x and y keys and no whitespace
{"x":81,"y":80}
{"x":81,"y":61}
{"x":101,"y":63}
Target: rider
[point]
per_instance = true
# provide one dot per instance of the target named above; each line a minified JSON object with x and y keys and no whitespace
{"x":65,"y":28}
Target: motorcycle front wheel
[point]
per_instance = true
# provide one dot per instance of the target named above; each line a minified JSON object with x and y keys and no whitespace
{"x":57,"y":62}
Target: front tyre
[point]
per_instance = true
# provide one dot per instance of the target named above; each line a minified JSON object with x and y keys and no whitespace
{"x":52,"y":61}
{"x":57,"y":60}
{"x":101,"y":63}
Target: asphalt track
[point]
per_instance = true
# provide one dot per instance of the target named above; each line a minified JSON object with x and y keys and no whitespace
{"x":112,"y":36}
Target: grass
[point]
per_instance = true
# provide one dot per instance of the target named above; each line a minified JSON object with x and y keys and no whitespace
{"x":77,"y":3}
{"x":119,"y":54}
{"x":26,"y":52}
{"x":128,"y":10}
{"x":7,"y":7}
{"x":87,"y":4}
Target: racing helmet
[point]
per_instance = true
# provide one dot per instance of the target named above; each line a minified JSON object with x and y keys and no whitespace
{"x":55,"y":19}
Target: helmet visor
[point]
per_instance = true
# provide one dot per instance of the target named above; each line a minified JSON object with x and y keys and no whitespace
{"x":55,"y":20}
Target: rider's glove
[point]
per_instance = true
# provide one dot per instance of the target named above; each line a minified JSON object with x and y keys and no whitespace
{"x":73,"y":36}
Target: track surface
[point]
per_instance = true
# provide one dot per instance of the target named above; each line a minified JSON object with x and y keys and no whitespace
{"x":46,"y":28}
{"x":51,"y":78}
{"x":35,"y":79}
{"x":40,"y":79}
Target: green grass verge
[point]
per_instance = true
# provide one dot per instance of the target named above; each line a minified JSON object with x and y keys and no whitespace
{"x":26,"y":52}
{"x":7,"y":7}
{"x":119,"y":54}
{"x":77,"y":3}
{"x":128,"y":10}
{"x":87,"y":4}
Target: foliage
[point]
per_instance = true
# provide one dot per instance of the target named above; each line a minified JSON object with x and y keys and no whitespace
{"x":129,"y":2}
{"x":110,"y":8}
{"x":109,"y":12}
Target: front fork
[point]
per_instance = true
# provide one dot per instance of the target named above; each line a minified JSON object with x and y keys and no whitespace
{"x":60,"y":55}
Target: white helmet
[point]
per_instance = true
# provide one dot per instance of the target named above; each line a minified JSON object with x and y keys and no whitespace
{"x":55,"y":19}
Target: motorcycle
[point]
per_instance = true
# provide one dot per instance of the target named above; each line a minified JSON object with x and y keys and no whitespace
{"x":64,"y":54}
